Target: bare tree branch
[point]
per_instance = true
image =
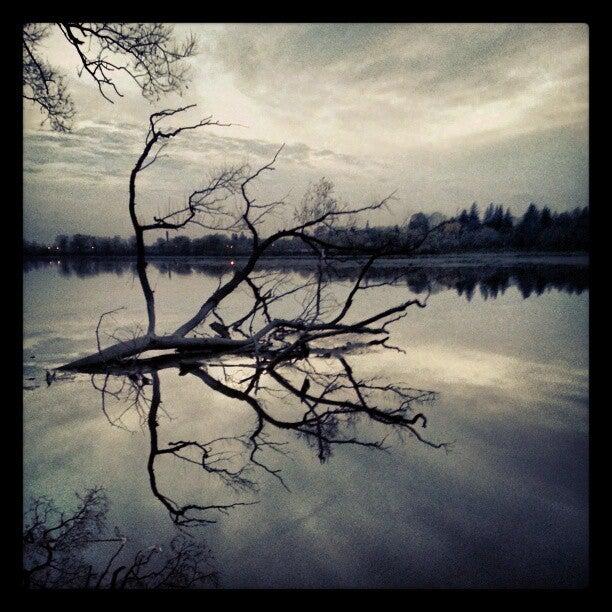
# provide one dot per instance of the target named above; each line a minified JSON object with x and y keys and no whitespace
{"x":55,"y":543}
{"x":146,"y":52}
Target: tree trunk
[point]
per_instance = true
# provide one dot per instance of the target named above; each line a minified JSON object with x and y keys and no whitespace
{"x":123,"y":350}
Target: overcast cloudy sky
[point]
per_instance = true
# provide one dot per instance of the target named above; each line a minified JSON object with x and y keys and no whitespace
{"x":443,"y":114}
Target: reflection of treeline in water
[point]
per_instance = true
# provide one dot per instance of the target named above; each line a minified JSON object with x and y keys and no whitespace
{"x":495,"y":230}
{"x":489,"y":280}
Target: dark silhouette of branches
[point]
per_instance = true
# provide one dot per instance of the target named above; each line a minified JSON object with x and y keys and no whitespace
{"x":299,"y":358}
{"x":227,"y":204}
{"x":335,"y":408}
{"x":189,"y":514}
{"x":157,"y":137}
{"x":56,"y":546}
{"x":42,"y":84}
{"x":146,"y":52}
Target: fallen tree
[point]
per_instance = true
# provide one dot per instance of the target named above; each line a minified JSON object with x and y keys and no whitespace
{"x":301,"y":358}
{"x":225,"y":204}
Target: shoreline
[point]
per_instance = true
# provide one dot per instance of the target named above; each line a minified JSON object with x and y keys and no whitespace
{"x":433,"y":260}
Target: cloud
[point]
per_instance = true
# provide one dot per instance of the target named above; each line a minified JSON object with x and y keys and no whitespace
{"x":79,"y":180}
{"x":444,"y":114}
{"x":102,"y":151}
{"x":416,"y":84}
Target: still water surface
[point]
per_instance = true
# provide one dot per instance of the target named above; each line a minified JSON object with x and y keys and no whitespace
{"x":506,"y":348}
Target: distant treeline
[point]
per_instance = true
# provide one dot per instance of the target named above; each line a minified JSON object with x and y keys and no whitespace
{"x":495,"y":230}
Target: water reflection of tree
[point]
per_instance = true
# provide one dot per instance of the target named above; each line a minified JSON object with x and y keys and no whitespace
{"x":330,"y":406}
{"x":490,"y":280}
{"x":75,"y":550}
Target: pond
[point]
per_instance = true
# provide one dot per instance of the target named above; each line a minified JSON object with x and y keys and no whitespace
{"x":503,"y":502}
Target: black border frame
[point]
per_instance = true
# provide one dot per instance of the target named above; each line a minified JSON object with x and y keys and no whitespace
{"x":596,"y":253}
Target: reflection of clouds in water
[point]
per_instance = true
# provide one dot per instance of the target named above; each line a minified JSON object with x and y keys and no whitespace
{"x":502,"y":508}
{"x":505,"y":389}
{"x":485,"y":369}
{"x":412,"y":516}
{"x":297,"y":520}
{"x":506,"y":506}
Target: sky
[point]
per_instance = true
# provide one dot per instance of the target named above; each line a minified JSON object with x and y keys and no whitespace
{"x":441,"y":115}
